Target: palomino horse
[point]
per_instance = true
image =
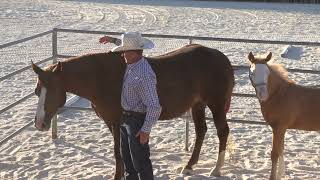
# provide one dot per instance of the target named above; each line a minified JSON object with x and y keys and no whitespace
{"x":190,"y":77}
{"x":284,"y":105}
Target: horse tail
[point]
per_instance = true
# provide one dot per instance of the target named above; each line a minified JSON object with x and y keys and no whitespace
{"x":230,"y":87}
{"x":229,"y":93}
{"x":227,"y":105}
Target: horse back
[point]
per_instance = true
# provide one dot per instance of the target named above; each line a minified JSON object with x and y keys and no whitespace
{"x":306,"y":103}
{"x":295,"y":107}
{"x":192,"y":74}
{"x":192,"y":59}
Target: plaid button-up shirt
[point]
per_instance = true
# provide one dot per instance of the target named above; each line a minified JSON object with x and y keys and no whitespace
{"x":139,"y":92}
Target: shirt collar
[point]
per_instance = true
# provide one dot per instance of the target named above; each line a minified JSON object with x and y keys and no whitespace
{"x":133,"y":65}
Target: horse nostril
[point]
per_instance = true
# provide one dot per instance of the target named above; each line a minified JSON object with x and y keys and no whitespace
{"x":39,"y":125}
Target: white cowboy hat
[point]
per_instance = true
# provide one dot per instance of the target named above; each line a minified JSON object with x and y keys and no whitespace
{"x":133,"y":41}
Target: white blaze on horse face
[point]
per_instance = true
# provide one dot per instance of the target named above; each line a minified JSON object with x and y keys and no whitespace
{"x":260,"y":75}
{"x":40,"y":109}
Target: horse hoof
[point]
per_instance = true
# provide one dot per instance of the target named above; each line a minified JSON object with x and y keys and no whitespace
{"x":272,"y":178}
{"x":215,"y":172}
{"x":187,"y":171}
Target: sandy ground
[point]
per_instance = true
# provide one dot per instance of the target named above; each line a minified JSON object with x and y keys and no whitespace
{"x":84,"y":148}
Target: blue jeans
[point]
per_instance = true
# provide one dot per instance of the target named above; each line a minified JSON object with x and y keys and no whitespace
{"x":136,"y":156}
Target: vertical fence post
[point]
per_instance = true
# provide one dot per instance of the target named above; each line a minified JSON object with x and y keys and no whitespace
{"x":54,"y":120}
{"x":188,"y":115}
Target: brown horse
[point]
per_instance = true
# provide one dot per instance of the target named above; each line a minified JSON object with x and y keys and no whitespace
{"x":190,"y":77}
{"x":284,"y":105}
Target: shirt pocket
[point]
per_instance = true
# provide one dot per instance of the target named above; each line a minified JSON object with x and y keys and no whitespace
{"x":134,"y":82}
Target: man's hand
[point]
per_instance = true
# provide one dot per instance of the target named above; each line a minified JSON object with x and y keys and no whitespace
{"x":106,"y":39}
{"x":143,"y":137}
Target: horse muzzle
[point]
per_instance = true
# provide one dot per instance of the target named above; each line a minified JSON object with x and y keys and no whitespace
{"x":262,"y":93}
{"x":41,"y":125}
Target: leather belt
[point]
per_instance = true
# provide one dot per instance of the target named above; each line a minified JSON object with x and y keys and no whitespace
{"x":132,"y":113}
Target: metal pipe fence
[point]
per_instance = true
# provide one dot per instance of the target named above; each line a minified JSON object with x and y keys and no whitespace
{"x":23,"y":69}
{"x":54,"y":123}
{"x":256,"y":41}
{"x":25,"y":39}
{"x":2,"y":141}
{"x":191,"y":38}
{"x":56,"y":55}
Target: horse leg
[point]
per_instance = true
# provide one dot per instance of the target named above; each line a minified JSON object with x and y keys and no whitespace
{"x":281,"y":166}
{"x":281,"y":170}
{"x":198,"y":116}
{"x":115,"y":130}
{"x":277,"y":150}
{"x":219,"y":118}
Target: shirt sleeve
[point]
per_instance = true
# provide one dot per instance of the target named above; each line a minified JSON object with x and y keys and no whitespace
{"x":114,"y":40}
{"x":149,"y":96}
{"x":117,"y":41}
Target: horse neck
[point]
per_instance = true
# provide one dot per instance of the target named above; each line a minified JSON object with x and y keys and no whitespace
{"x":84,"y":76}
{"x":277,"y":85}
{"x":76,"y":82}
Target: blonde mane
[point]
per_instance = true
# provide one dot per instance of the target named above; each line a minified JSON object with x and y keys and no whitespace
{"x":280,"y":71}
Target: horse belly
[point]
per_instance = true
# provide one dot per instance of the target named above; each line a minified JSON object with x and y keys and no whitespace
{"x":176,"y":104}
{"x":305,"y":125}
{"x":307,"y":122}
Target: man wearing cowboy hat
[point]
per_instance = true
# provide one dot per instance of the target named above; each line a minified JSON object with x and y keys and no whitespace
{"x":140,"y":103}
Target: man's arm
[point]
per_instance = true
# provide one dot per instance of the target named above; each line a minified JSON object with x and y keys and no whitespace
{"x":108,"y":39}
{"x":149,"y":96}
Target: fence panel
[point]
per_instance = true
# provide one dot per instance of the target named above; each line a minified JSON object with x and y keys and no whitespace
{"x":235,"y":49}
{"x":17,"y":79}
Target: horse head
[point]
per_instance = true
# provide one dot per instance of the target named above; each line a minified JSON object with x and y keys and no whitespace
{"x":259,"y":74}
{"x":51,"y":95}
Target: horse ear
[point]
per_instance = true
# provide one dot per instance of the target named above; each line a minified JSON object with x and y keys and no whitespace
{"x":58,"y":67}
{"x":269,"y":57}
{"x":36,"y":69}
{"x":39,"y":72}
{"x":251,"y":57}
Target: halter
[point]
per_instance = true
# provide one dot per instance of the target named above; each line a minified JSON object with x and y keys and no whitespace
{"x":253,"y":84}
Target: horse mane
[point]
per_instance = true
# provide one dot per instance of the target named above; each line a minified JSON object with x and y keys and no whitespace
{"x":86,"y":59}
{"x":50,"y":67}
{"x":280,"y":71}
